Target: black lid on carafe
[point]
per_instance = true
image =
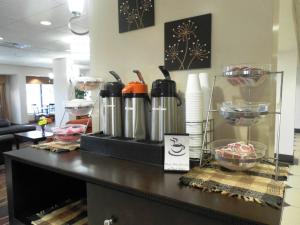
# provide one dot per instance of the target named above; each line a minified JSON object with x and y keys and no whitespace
{"x":112,"y":89}
{"x":164,"y":87}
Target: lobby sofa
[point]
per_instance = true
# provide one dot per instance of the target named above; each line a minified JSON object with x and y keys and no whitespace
{"x":12,"y":129}
{"x":6,"y":143}
{"x":7,"y":138}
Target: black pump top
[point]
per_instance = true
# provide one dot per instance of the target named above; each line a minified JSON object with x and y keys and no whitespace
{"x":164,"y":87}
{"x":113,"y":89}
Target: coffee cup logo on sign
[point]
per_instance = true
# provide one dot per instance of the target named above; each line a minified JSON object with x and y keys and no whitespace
{"x":177,"y":149}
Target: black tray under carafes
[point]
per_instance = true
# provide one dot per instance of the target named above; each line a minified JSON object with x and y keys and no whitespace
{"x":138,"y":151}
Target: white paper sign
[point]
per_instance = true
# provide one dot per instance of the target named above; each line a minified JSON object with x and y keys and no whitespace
{"x":177,"y":153}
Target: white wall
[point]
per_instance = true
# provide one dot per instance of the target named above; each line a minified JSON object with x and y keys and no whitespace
{"x":17,"y":89}
{"x":297,"y":102}
{"x":287,"y":62}
{"x":236,"y":38}
{"x":242,"y":33}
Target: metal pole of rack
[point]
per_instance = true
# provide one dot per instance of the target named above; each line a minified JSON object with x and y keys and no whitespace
{"x":62,"y":118}
{"x":207,"y":118}
{"x":279,"y":126}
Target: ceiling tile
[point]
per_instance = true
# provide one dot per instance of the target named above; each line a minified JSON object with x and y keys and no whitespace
{"x":4,"y":20}
{"x":21,"y":24}
{"x":18,"y":9}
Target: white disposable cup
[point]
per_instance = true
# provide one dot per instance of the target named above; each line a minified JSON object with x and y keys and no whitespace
{"x":195,"y":152}
{"x":194,"y":108}
{"x":196,"y":102}
{"x":193,"y":83}
{"x":194,"y":131}
{"x":194,"y":97}
{"x":190,"y":103}
{"x":195,"y":155}
{"x":193,"y":105}
{"x":196,"y":142}
{"x":193,"y":93}
{"x":193,"y":128}
{"x":188,"y":100}
{"x":205,"y":88}
{"x":195,"y":136}
{"x":204,"y":81}
{"x":191,"y":119}
{"x":197,"y":114}
{"x":195,"y":149}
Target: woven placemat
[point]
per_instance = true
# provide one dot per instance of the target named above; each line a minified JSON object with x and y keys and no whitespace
{"x":256,"y":185}
{"x":68,"y":212}
{"x":57,"y":146}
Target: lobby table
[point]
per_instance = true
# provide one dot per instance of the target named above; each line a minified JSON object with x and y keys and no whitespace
{"x":118,"y":192}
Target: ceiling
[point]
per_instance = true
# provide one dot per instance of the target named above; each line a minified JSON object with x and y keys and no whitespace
{"x":20,"y":23}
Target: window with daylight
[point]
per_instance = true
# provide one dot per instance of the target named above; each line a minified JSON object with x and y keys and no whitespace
{"x":39,"y":95}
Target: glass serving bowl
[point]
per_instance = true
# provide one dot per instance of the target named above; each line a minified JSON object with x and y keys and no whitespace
{"x":69,"y":133}
{"x":79,"y":107}
{"x":246,"y":75}
{"x":243,"y":113}
{"x":237,"y":158}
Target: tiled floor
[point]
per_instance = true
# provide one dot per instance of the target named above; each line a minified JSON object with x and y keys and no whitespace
{"x":291,"y":213}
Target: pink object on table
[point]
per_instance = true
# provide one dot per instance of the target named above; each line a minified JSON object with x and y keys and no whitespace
{"x":69,"y":133}
{"x":238,"y":150}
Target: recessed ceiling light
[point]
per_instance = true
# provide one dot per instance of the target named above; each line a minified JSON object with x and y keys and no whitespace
{"x":51,"y":75}
{"x":45,"y":23}
{"x":1,"y":38}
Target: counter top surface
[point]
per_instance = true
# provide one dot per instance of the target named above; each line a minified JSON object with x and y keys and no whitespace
{"x":144,"y":180}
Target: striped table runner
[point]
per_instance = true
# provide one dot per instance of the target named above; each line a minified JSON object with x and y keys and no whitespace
{"x":57,"y":146}
{"x":3,"y":198}
{"x":67,"y":213}
{"x":256,"y":185}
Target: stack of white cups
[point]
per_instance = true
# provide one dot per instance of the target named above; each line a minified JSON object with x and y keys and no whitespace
{"x":205,"y":88}
{"x":194,"y":114}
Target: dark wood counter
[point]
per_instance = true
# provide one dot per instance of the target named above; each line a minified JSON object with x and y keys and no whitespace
{"x":139,"y":180}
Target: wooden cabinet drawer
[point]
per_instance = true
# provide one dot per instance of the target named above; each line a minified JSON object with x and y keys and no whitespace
{"x":103,"y":203}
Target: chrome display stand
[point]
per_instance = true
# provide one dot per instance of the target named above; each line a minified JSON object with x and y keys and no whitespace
{"x":89,"y":115}
{"x":88,"y":121}
{"x":277,"y":113}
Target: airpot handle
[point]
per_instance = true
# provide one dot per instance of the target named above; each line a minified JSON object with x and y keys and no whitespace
{"x":165,"y":72}
{"x":139,"y":74}
{"x":179,"y":101}
{"x":116,"y":76}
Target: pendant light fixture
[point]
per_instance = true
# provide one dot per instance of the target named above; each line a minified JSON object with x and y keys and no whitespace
{"x":76,"y":8}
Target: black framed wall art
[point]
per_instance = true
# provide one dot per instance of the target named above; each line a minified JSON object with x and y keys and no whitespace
{"x":135,"y":14}
{"x":188,"y":43}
